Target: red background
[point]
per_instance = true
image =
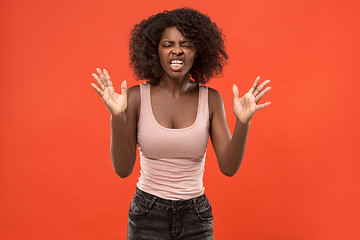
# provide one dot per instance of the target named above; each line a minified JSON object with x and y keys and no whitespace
{"x":300,"y":175}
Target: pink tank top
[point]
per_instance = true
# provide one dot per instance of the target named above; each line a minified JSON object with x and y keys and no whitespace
{"x":172,"y":160}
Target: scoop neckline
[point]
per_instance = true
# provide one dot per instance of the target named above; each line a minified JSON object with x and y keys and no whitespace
{"x":175,"y":129}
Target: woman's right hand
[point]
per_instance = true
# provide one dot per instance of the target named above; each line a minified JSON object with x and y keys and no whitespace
{"x":116,"y":103}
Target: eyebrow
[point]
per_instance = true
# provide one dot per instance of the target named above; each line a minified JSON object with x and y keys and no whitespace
{"x":184,"y":41}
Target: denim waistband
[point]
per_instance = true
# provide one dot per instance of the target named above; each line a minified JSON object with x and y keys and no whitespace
{"x":178,"y":203}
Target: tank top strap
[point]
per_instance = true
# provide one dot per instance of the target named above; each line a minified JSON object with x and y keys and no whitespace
{"x":204,"y":103}
{"x":144,"y":99}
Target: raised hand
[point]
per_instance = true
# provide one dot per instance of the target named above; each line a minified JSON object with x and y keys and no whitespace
{"x":116,"y":103}
{"x":245,"y":107}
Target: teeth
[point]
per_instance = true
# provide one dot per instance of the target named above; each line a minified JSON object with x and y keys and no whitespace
{"x":176,"y":62}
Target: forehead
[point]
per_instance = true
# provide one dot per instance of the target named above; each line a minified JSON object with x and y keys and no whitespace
{"x":172,"y":33}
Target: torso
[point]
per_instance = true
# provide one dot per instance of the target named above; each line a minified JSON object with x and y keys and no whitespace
{"x":175,"y":112}
{"x":172,"y":157}
{"x":168,"y":111}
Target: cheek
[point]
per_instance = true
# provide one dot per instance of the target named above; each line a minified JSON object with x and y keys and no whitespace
{"x":192,"y":57}
{"x":163,"y":56}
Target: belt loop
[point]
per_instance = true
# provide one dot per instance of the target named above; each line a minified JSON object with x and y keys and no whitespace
{"x":152,"y":202}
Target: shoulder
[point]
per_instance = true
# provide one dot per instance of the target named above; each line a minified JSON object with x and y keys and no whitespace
{"x":134,"y":92}
{"x":213,"y":94}
{"x":134,"y":99}
{"x":214,"y":97}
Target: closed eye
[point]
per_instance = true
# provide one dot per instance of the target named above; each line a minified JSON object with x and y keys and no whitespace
{"x":186,"y":44}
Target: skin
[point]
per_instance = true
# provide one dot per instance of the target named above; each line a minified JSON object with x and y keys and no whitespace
{"x":174,"y":102}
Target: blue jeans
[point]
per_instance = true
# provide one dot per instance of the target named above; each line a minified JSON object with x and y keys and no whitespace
{"x":154,"y":218}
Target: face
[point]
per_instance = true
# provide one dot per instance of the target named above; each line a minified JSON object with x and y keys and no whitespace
{"x":177,"y":54}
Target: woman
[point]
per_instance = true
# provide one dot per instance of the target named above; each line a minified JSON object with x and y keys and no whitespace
{"x":170,"y":118}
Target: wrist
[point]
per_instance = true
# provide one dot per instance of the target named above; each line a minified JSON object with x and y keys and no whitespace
{"x":246,"y":123}
{"x":117,"y":116}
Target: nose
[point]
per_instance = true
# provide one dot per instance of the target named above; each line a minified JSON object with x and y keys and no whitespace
{"x":177,"y":50}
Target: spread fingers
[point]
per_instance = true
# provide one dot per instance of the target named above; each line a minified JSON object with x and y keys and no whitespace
{"x":97,"y":89}
{"x":259,"y":96}
{"x":102,"y":77}
{"x":260,"y":88}
{"x":98,"y":81}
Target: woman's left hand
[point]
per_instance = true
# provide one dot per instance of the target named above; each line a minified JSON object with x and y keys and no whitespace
{"x":245,"y":107}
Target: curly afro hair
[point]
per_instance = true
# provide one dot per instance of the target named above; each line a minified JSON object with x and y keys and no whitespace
{"x":195,"y":26}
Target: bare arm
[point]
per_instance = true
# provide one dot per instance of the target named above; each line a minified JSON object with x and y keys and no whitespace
{"x":229,"y":149}
{"x":123,"y":135}
{"x":124,"y":114}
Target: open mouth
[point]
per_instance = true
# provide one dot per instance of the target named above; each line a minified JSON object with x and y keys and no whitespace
{"x":176,"y":64}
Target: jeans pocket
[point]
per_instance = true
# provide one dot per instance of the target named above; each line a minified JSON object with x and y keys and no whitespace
{"x":204,"y":210}
{"x":137,"y":208}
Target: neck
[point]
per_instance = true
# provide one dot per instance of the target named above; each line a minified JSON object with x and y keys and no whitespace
{"x":176,"y":86}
